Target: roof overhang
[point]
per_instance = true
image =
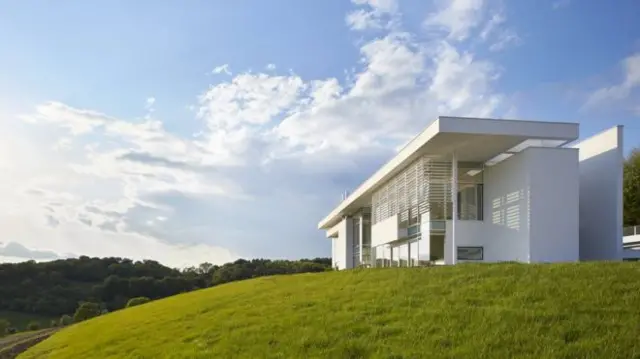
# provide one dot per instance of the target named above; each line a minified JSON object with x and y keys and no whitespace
{"x":477,"y":140}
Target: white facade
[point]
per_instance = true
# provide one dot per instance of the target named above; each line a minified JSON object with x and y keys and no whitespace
{"x":483,"y":190}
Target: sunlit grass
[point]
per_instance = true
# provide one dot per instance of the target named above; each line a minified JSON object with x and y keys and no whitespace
{"x":588,"y":310}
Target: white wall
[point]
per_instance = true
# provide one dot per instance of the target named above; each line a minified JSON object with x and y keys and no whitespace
{"x":530,"y":210}
{"x":468,"y":233}
{"x":554,"y":190}
{"x":506,"y":209}
{"x":342,"y":246}
{"x":601,"y":163}
{"x":384,"y":231}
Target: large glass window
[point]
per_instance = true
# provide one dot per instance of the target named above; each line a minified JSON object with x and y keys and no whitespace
{"x":356,"y":241}
{"x":366,"y":240}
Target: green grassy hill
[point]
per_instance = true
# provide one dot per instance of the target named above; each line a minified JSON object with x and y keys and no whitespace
{"x":588,"y":310}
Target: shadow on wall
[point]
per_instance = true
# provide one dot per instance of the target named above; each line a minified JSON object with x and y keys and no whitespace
{"x":600,"y":224}
{"x":506,"y":210}
{"x":507,"y":233}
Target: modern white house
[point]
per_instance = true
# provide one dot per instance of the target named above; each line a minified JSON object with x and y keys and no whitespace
{"x":486,"y":190}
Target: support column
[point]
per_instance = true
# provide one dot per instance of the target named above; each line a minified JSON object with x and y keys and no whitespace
{"x":454,"y":205}
{"x":361,"y":236}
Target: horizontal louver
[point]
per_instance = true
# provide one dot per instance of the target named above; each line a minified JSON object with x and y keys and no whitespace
{"x":419,"y":187}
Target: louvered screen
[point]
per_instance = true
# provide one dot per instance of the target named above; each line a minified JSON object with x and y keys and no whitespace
{"x":423,"y":186}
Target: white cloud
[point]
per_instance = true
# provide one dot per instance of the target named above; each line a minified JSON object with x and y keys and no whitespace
{"x":456,"y":17}
{"x":505,"y":38}
{"x":622,"y":90}
{"x":268,"y":144}
{"x":270,"y":67}
{"x":491,"y":25}
{"x":77,"y":121}
{"x":150,"y":101}
{"x":63,"y":144}
{"x":222,"y":69}
{"x":375,"y":14}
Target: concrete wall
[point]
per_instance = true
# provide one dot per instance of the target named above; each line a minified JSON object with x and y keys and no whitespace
{"x":506,"y":209}
{"x":601,"y":163}
{"x":468,"y":233}
{"x":554,"y":197}
{"x":530,"y":209}
{"x":342,"y":246}
{"x":385,"y":231}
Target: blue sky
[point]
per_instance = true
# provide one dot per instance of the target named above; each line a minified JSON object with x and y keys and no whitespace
{"x":207,"y":131}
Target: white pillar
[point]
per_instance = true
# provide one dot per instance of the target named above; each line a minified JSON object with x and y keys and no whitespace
{"x":360,"y":234}
{"x":454,"y":205}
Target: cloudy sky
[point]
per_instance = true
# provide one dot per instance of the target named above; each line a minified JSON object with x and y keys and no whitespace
{"x":211,"y":130}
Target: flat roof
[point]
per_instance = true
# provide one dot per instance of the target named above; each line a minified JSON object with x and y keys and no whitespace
{"x":472,"y":139}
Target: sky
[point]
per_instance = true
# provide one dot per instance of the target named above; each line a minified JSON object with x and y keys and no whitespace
{"x":197,"y":131}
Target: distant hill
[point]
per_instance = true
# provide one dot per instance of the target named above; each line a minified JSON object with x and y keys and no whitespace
{"x":579,"y":310}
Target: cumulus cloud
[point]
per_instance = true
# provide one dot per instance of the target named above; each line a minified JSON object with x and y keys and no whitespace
{"x":456,"y":18}
{"x":17,"y":250}
{"x":620,"y":91}
{"x":273,"y":154}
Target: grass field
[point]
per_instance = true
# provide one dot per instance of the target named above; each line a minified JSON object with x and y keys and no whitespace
{"x":21,"y":320}
{"x":587,"y":310}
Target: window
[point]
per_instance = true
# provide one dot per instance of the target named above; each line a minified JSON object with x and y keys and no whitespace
{"x":470,"y":253}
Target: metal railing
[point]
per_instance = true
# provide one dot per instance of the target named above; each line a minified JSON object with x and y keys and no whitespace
{"x":630,"y":231}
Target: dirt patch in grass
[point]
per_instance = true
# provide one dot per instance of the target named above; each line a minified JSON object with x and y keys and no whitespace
{"x":13,"y":345}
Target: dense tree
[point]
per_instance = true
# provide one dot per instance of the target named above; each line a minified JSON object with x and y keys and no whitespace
{"x":137,"y":301}
{"x":631,"y":189}
{"x":55,"y":288}
{"x":65,"y":320}
{"x":87,"y":310}
{"x":4,"y":327}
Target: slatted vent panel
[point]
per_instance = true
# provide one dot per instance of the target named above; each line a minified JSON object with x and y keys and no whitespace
{"x":413,"y":191}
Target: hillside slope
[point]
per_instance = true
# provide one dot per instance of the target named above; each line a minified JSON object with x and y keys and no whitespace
{"x":587,"y":310}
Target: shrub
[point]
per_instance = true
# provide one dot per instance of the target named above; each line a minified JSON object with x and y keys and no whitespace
{"x":86,"y":310}
{"x":12,"y":330}
{"x":53,"y":323}
{"x":33,"y":325}
{"x":4,"y":326}
{"x":137,"y":301}
{"x":65,"y":320}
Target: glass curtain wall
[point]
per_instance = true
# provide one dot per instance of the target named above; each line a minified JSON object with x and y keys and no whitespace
{"x":356,"y":241}
{"x":366,"y":240}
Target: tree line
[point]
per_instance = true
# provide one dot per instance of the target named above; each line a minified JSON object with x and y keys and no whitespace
{"x":631,"y":189}
{"x":59,"y":287}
